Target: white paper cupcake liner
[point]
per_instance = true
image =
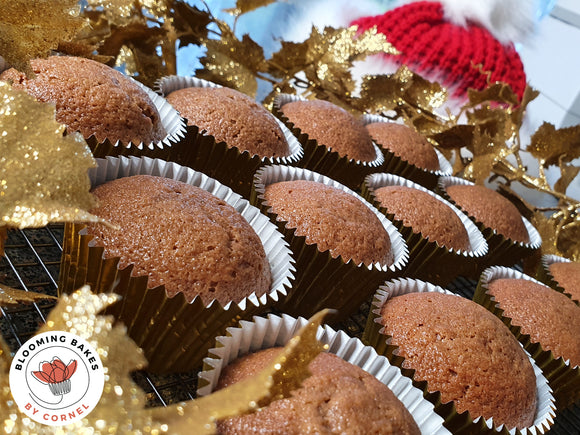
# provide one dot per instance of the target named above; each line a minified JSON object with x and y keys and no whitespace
{"x":562,"y":376}
{"x":273,"y":331}
{"x":429,"y":260}
{"x":157,"y":337}
{"x":399,"y":166}
{"x":374,"y":334}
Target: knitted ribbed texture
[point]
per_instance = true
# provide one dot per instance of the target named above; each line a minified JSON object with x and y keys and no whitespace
{"x":431,"y":46}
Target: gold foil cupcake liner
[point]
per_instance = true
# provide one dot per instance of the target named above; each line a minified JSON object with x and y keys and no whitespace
{"x":274,"y":331}
{"x":174,"y":334}
{"x":543,"y":273}
{"x":174,"y":125}
{"x":321,"y":280}
{"x":427,"y":259}
{"x":319,"y":158}
{"x":230,"y":166}
{"x":562,"y":376}
{"x":457,"y":423}
{"x":502,"y":251}
{"x":397,"y":165}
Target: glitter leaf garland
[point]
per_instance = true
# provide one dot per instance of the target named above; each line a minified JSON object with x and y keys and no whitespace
{"x":122,"y":407}
{"x":30,"y":29}
{"x":243,"y":6}
{"x":43,"y":173}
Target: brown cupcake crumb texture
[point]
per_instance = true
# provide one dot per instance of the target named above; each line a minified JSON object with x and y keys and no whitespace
{"x":231,"y":117}
{"x":547,"y":316}
{"x":92,"y":98}
{"x":464,"y":352}
{"x":333,"y":127}
{"x":425,"y":214}
{"x":332,"y":219}
{"x":567,"y":275}
{"x":405,"y":143}
{"x":339,"y":398}
{"x":491,"y":209}
{"x":182,"y":237}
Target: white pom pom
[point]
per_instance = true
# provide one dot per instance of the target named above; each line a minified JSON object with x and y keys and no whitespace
{"x":507,"y":20}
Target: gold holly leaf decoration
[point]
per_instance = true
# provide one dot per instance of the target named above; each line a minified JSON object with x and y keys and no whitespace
{"x":31,"y":29}
{"x":243,"y":6}
{"x":12,"y":296}
{"x":43,"y":175}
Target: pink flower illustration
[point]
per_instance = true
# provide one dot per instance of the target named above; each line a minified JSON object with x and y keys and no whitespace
{"x":56,"y":374}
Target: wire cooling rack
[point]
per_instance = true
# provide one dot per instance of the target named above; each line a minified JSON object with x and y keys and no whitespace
{"x":32,"y":260}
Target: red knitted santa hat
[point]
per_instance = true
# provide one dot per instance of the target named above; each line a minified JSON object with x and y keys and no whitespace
{"x":434,"y":47}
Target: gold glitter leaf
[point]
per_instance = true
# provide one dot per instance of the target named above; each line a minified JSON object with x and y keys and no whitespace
{"x":457,"y":136}
{"x":31,"y":29}
{"x":232,"y":62}
{"x":12,"y":296}
{"x":569,"y":239}
{"x":119,"y":12}
{"x":243,"y":6}
{"x":43,"y":173}
{"x":283,"y":375}
{"x":498,"y":92}
{"x":568,"y":173}
{"x":548,"y":232}
{"x":549,"y":143}
{"x":121,"y":408}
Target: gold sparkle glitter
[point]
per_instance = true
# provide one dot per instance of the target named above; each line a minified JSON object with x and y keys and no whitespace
{"x":43,"y":174}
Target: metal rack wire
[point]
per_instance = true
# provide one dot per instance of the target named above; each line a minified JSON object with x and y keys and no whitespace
{"x":32,"y":260}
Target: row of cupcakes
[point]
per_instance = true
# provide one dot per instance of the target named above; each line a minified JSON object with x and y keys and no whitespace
{"x":179,"y":338}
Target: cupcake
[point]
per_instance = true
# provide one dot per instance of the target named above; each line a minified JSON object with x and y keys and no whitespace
{"x":344,"y":247}
{"x":545,"y":321}
{"x":198,"y":244}
{"x":100,"y":102}
{"x":436,"y":232}
{"x":562,"y":275}
{"x":462,"y":355}
{"x":510,"y":236}
{"x":337,"y":398}
{"x":351,"y":390}
{"x":185,"y":252}
{"x":335,"y":142}
{"x":229,"y":135}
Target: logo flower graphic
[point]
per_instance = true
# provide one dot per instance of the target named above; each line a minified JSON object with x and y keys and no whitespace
{"x":57,"y":375}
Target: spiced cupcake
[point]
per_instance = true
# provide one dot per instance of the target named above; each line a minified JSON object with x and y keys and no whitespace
{"x":115,"y":114}
{"x":229,"y":134}
{"x":351,"y":390}
{"x":182,"y":250}
{"x":437,"y":233}
{"x":465,"y":358}
{"x":343,"y":245}
{"x":407,"y":153}
{"x":545,"y":321}
{"x":510,"y":236}
{"x":335,"y":141}
{"x":561,"y":274}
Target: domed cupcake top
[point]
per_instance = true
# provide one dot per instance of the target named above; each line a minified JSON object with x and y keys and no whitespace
{"x":425,"y":214}
{"x":92,"y":98}
{"x":466,"y":353}
{"x":231,"y":117}
{"x":332,"y":219}
{"x":338,"y":397}
{"x":183,"y":237}
{"x":491,"y":209}
{"x":405,"y":143}
{"x":331,"y":126}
